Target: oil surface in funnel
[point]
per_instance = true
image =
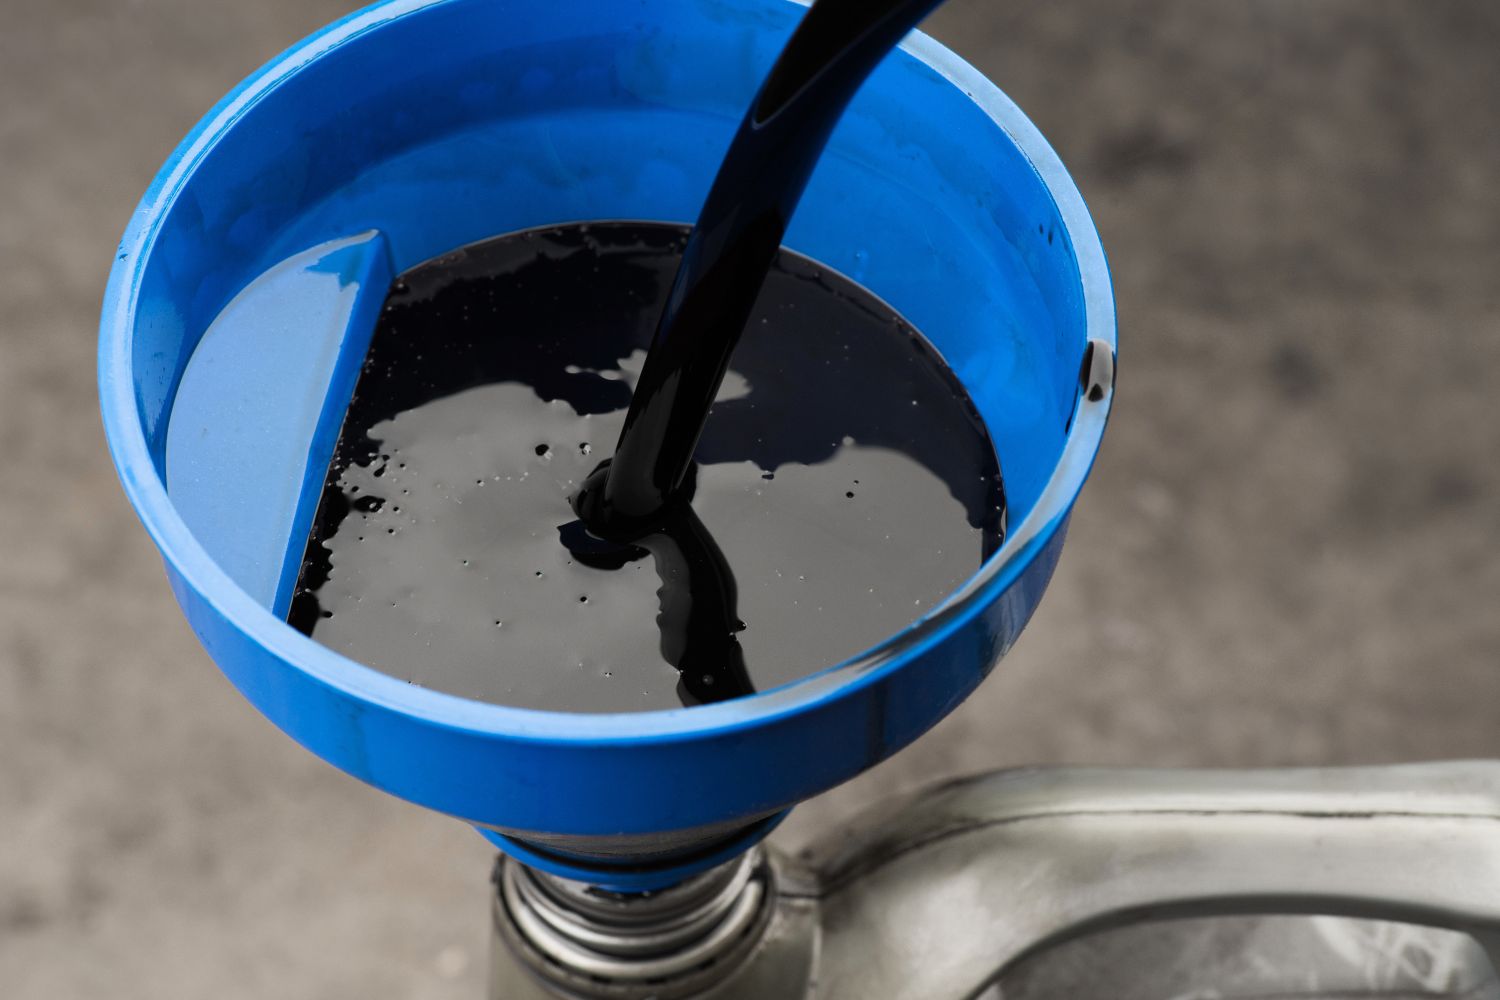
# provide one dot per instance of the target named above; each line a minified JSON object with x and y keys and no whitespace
{"x":844,"y":484}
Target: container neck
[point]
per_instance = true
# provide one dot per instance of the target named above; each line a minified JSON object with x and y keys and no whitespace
{"x":676,"y":942}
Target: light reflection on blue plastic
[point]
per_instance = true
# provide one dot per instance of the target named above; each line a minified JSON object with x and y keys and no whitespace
{"x":259,"y":407}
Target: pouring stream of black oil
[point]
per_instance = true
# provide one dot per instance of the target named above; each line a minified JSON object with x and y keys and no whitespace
{"x":638,"y":501}
{"x":738,"y":232}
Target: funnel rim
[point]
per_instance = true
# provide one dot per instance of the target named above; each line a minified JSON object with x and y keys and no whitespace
{"x":147,"y":493}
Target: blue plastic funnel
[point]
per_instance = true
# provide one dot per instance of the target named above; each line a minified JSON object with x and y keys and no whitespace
{"x":246,"y":288}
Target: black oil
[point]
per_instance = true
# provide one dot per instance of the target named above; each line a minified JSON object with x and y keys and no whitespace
{"x":541,"y":335}
{"x":835,"y":47}
{"x":842,"y":485}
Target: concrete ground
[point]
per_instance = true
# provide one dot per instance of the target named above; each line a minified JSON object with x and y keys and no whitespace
{"x":1287,"y":554}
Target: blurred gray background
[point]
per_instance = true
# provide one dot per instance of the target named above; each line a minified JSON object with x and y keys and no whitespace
{"x":1287,"y":554}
